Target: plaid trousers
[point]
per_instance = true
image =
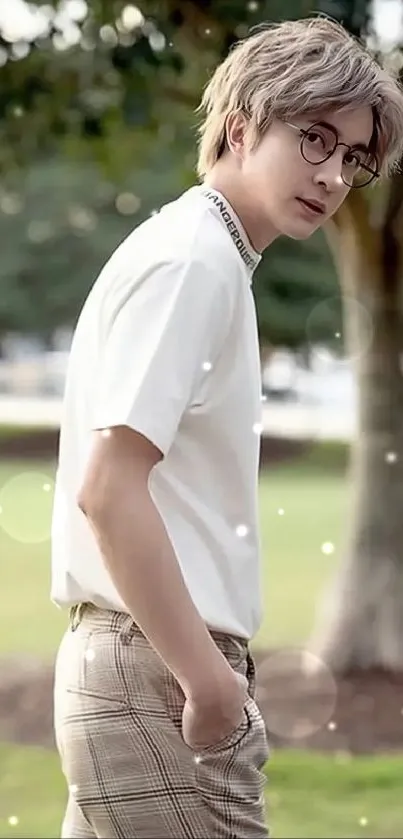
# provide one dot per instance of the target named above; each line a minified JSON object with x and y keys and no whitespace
{"x":117,"y":718}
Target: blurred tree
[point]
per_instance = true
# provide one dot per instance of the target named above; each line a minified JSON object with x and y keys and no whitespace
{"x":361,"y":625}
{"x":93,"y":78}
{"x":61,"y":221}
{"x":87,"y":70}
{"x":58,"y":227}
{"x":297,"y":296}
{"x":355,"y":15}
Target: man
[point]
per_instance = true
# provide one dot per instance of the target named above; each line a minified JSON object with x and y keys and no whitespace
{"x":155,"y":529}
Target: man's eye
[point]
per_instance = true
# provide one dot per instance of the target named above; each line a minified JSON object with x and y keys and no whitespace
{"x":316,"y":139}
{"x":353,"y":161}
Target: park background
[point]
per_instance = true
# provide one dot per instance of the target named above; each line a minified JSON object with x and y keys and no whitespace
{"x":97,"y":123}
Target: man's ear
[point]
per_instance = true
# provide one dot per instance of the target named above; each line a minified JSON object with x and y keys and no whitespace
{"x":235,"y":130}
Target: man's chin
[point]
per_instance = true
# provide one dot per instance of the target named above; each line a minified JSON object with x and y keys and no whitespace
{"x":299,"y":231}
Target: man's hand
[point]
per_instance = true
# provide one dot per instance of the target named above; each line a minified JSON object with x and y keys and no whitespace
{"x":208,"y":719}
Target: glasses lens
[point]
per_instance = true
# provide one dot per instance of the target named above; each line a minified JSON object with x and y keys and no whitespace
{"x":318,"y":144}
{"x":358,"y":168}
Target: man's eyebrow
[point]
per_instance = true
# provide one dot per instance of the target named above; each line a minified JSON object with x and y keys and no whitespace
{"x":360,"y":146}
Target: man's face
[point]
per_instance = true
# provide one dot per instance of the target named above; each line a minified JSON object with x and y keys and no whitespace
{"x":279,"y":180}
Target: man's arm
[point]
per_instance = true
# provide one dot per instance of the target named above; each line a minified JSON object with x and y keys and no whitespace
{"x":142,"y":564}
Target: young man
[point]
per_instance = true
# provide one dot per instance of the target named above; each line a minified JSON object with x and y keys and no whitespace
{"x":155,"y":529}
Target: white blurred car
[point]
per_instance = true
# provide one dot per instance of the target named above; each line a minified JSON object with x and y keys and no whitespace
{"x":280,"y":376}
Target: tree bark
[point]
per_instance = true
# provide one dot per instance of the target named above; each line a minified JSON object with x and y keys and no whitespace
{"x":361,"y":624}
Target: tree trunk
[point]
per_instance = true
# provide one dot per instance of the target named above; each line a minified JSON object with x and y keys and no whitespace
{"x":361,"y":625}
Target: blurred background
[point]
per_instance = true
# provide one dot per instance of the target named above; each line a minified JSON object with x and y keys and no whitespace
{"x":97,"y":130}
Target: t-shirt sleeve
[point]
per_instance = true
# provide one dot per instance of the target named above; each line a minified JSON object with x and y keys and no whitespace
{"x":161,"y":341}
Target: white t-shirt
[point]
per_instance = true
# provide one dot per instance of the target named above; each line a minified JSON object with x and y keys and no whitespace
{"x":167,"y":344}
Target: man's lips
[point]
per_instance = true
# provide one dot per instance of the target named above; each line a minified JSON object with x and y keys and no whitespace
{"x":314,"y":206}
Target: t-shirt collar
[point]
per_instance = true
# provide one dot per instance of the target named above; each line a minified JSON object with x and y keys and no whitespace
{"x":226,"y":214}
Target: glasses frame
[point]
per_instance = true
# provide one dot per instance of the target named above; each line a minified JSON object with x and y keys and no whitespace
{"x":303,"y":132}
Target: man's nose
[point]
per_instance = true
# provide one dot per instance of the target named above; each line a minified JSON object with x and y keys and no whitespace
{"x":329,"y":174}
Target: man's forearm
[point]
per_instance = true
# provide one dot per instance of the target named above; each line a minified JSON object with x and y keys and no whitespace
{"x":142,"y":564}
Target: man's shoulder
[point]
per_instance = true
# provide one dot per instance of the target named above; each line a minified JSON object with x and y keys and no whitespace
{"x":183,"y":233}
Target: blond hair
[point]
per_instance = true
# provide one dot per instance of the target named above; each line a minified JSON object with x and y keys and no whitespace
{"x":302,"y":66}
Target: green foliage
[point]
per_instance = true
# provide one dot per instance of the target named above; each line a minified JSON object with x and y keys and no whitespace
{"x":59,"y":227}
{"x":67,"y":221}
{"x":353,"y":14}
{"x":293,"y":284}
{"x":104,"y":102}
{"x":88,"y":79}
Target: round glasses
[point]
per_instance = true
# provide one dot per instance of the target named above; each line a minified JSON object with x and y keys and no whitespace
{"x":319,"y":142}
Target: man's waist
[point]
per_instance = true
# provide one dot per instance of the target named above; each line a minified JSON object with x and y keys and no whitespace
{"x":220,"y":618}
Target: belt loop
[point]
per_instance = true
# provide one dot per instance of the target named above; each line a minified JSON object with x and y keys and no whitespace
{"x":76,"y":614}
{"x":241,"y":649}
{"x":251,"y":674}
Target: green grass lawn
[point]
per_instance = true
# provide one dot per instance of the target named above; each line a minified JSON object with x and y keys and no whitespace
{"x":302,"y":507}
{"x":309,"y":795}
{"x":311,"y":493}
{"x":29,"y":623}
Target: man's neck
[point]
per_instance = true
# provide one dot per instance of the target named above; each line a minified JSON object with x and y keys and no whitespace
{"x":260,"y":232}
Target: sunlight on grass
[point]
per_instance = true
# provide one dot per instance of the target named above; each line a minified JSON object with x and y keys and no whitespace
{"x":308,"y":796}
{"x":312,"y":796}
{"x":29,"y":623}
{"x":299,"y":512}
{"x":294,"y":567}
